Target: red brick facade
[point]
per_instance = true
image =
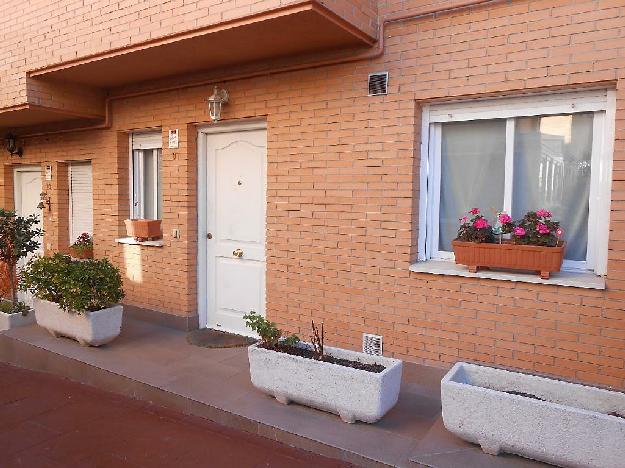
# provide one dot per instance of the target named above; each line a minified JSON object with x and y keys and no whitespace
{"x":343,"y":186}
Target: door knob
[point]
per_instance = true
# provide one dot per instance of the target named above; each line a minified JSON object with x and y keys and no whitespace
{"x":237,"y":253}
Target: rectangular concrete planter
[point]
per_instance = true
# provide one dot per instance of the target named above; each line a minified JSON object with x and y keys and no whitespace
{"x":353,"y":394}
{"x":565,"y":424}
{"x":9,"y":321}
{"x":543,"y":260}
{"x":92,"y":328}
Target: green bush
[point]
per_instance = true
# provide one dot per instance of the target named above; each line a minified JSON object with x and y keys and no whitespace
{"x":268,"y":331}
{"x":75,"y":285}
{"x":18,"y":307}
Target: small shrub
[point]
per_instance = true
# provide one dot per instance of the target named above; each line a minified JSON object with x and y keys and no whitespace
{"x":269,"y":333}
{"x":18,"y":307}
{"x":83,"y":242}
{"x":18,"y":238}
{"x":75,"y":285}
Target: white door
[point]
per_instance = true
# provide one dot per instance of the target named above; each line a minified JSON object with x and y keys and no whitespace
{"x":27,"y":186}
{"x":236,"y":199}
{"x":80,"y":200}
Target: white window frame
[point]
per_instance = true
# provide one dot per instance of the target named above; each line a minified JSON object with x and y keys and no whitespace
{"x":601,"y":102}
{"x":140,"y":143}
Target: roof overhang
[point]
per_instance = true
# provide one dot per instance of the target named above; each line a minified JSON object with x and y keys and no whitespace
{"x":295,"y":30}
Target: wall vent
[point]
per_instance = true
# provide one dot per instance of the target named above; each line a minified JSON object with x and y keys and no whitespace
{"x":378,"y":84}
{"x":372,"y":344}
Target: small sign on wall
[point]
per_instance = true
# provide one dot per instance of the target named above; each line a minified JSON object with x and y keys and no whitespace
{"x":173,"y":139}
{"x":48,"y":172}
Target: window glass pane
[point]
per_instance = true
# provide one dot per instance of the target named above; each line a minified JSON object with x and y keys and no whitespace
{"x":552,"y":170}
{"x":148,"y":184}
{"x":472,"y":172}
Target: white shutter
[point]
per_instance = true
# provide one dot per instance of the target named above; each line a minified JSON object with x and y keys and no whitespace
{"x":80,"y":200}
{"x":147,"y":140}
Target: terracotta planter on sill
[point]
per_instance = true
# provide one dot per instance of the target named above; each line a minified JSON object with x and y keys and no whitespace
{"x":81,"y":254}
{"x":544,"y":260}
{"x":143,"y":229}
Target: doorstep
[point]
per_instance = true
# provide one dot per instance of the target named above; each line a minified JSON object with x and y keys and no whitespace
{"x":156,"y":364}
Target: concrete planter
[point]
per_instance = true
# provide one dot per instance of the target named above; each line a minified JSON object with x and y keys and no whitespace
{"x":9,"y":321}
{"x":351,"y":393}
{"x":567,"y":424}
{"x":93,"y":328}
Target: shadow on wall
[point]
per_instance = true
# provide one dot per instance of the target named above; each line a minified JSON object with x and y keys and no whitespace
{"x":133,"y":266}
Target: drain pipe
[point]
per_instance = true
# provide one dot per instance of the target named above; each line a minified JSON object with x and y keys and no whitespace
{"x":377,"y":52}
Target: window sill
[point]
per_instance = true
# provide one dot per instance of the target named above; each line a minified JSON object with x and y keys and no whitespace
{"x":132,"y":241}
{"x":574,"y":279}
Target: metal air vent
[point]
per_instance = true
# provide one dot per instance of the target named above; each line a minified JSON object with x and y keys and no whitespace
{"x":378,"y":84}
{"x":372,"y":344}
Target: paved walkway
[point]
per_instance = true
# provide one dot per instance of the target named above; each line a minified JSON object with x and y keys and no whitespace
{"x":47,"y":421}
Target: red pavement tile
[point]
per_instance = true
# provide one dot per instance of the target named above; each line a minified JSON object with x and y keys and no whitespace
{"x":46,"y":421}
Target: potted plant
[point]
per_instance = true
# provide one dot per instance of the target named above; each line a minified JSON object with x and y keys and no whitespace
{"x":536,"y":243}
{"x":19,"y":237}
{"x":82,"y":248}
{"x":76,"y":298}
{"x":356,"y":386}
{"x":143,"y":229}
{"x":549,"y":420}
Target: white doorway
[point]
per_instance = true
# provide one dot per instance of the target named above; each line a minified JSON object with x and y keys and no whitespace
{"x":232,"y":206}
{"x":27,"y":191}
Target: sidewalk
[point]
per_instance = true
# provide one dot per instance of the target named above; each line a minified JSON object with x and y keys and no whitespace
{"x":47,"y":421}
{"x":153,"y":363}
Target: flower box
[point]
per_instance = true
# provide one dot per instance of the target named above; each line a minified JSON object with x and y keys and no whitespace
{"x":9,"y":321}
{"x":544,"y":260}
{"x":90,"y":328}
{"x":81,"y":253}
{"x":143,"y":229}
{"x":353,"y":394}
{"x":543,"y":419}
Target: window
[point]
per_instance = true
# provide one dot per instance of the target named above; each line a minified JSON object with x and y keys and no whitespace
{"x":519,"y":154}
{"x":146,"y":176}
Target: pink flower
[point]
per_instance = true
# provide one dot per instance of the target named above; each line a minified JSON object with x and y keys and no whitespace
{"x":542,"y":228}
{"x":481,"y":223}
{"x":542,"y":213}
{"x":519,"y":231}
{"x":474,"y":211}
{"x":504,"y":218}
{"x":559,"y":232}
{"x":463,"y":220}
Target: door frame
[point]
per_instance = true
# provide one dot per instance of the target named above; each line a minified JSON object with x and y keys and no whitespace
{"x":204,"y":132}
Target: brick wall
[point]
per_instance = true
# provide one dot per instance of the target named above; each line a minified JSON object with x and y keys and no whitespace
{"x":42,"y":33}
{"x":343,"y":184}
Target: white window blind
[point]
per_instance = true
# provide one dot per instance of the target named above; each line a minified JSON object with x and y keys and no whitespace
{"x":81,"y":200}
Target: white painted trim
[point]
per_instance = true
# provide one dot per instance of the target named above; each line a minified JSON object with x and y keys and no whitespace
{"x":519,"y":106}
{"x":509,"y":166}
{"x":604,"y":193}
{"x":601,"y":102}
{"x":202,"y":203}
{"x":423,"y":183}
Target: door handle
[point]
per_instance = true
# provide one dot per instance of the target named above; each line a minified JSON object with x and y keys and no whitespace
{"x":237,"y":253}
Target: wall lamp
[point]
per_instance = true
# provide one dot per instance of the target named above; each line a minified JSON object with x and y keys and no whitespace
{"x":10,"y":143}
{"x":215,"y":101}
